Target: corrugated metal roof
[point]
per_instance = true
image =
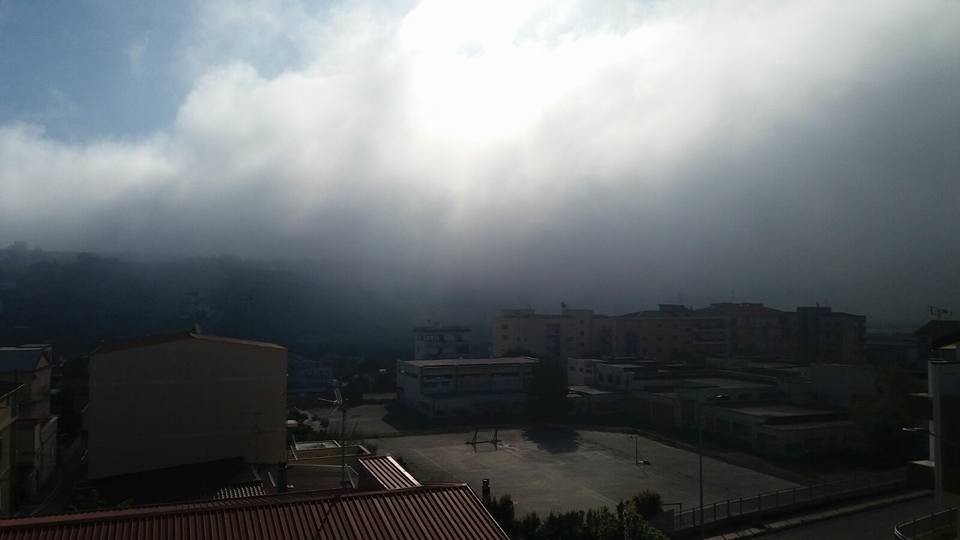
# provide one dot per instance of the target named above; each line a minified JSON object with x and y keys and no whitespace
{"x":22,"y":359}
{"x":387,"y":472}
{"x":431,"y":512}
{"x":147,"y":341}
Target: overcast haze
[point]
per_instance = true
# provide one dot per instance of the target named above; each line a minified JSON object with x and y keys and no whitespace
{"x":609,"y":154}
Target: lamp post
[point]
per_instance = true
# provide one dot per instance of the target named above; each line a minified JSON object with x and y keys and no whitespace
{"x":717,"y":397}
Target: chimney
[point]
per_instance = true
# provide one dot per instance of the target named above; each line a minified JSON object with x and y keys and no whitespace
{"x":281,"y":477}
{"x":486,"y":490}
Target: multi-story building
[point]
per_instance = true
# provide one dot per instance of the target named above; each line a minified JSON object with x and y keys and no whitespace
{"x":676,"y":332}
{"x":940,"y":407}
{"x":36,"y":440}
{"x":755,"y":329}
{"x":438,"y":342}
{"x":668,"y":333}
{"x":465,"y":387}
{"x":179,"y":399}
{"x":8,"y":458}
{"x":548,"y":336}
{"x":827,"y":336}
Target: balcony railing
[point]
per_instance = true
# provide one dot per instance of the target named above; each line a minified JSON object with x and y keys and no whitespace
{"x":940,"y":525}
{"x":786,"y":500}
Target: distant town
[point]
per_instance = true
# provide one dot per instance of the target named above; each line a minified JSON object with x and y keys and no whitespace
{"x":677,"y":422}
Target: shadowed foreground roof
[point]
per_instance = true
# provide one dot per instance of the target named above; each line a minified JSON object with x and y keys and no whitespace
{"x":148,"y":341}
{"x":430,"y":512}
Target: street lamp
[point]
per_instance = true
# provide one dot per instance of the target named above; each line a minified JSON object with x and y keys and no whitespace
{"x":717,"y":397}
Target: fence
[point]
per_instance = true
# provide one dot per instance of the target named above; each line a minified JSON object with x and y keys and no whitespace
{"x":784,"y":499}
{"x":933,"y":526}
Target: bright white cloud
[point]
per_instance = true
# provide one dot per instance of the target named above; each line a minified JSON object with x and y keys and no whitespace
{"x":456,"y":124}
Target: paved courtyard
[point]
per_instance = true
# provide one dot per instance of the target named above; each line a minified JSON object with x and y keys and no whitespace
{"x":565,"y":469}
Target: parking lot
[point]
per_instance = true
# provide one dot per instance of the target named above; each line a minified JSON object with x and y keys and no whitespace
{"x":560,"y":469}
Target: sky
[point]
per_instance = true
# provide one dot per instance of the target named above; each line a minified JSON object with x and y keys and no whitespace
{"x":608,"y":154}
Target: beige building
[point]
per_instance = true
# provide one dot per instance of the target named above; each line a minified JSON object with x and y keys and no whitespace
{"x":8,"y":461}
{"x":668,"y":333}
{"x":36,"y":441}
{"x":185,"y":398}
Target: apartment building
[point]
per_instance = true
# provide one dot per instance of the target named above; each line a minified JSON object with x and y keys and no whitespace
{"x":178,"y":399}
{"x":670,"y":332}
{"x":465,"y":387}
{"x":568,"y":334}
{"x":36,"y":441}
{"x":437,"y":342}
{"x":674,"y":332}
{"x":827,"y":336}
{"x":8,"y":458}
{"x":756,"y":330}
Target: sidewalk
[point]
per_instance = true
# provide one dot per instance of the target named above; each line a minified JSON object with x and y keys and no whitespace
{"x":822,"y":515}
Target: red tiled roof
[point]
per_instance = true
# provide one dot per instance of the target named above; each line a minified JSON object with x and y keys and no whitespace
{"x":387,"y":472}
{"x":430,"y":512}
{"x":147,"y":341}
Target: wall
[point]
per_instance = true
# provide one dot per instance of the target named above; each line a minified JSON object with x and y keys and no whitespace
{"x":7,"y":455}
{"x":186,"y":401}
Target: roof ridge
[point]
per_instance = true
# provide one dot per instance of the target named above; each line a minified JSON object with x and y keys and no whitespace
{"x":207,"y":506}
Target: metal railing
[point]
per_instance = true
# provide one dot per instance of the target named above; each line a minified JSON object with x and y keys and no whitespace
{"x":932,"y":526}
{"x":786,"y":498}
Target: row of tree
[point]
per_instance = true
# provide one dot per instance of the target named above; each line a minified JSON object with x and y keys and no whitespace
{"x":627,"y":521}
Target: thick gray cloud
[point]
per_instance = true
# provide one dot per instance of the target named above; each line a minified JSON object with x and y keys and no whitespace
{"x":616,"y":155}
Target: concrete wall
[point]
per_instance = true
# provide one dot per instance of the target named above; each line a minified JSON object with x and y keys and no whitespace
{"x":185,"y":401}
{"x":7,"y":455}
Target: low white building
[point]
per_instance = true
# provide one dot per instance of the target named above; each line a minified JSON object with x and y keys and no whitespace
{"x":779,"y":430}
{"x":465,"y":387}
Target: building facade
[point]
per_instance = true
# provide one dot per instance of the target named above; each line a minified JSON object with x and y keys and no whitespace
{"x":438,"y":342}
{"x":674,"y":332}
{"x":185,"y":398}
{"x":668,"y":333}
{"x":465,"y":387}
{"x":831,"y":337}
{"x":8,"y":460}
{"x":36,"y":441}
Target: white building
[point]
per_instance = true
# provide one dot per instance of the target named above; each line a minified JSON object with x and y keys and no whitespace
{"x":432,"y":342}
{"x":465,"y":387}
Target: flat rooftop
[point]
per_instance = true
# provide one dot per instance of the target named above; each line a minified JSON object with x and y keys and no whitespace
{"x":590,"y":390}
{"x":810,"y":425}
{"x":454,"y":362}
{"x":777,"y":410}
{"x":723,"y":382}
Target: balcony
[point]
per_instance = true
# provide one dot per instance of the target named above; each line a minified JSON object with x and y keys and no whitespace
{"x":940,"y":525}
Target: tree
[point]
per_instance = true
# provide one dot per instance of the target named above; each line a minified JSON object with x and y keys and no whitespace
{"x":647,"y":503}
{"x":879,"y":418}
{"x":548,"y":391}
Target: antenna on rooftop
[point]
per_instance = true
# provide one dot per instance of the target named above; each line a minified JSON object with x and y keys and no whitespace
{"x":343,"y":420}
{"x":940,"y":313}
